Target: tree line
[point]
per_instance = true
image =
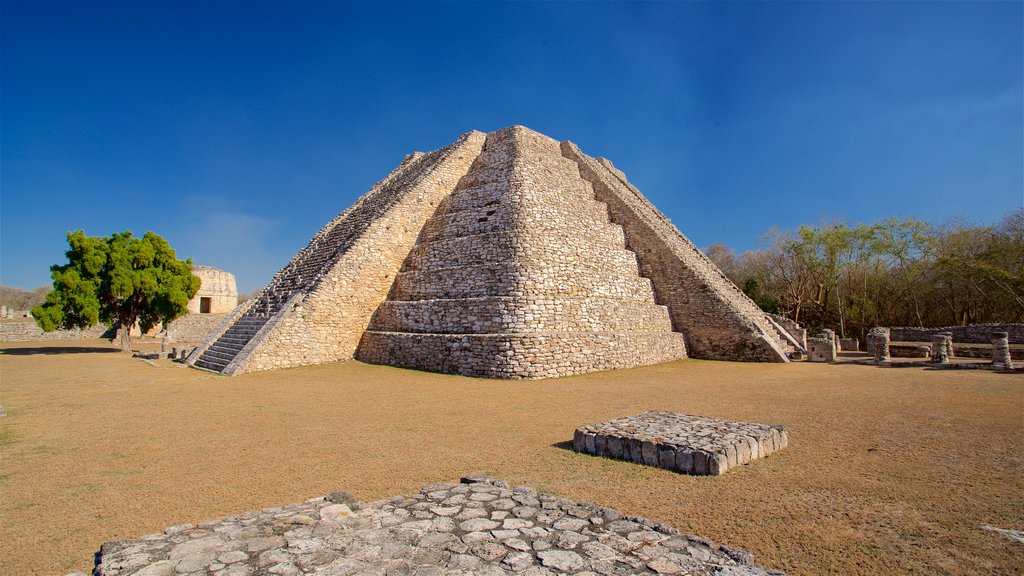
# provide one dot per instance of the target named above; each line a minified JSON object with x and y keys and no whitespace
{"x":895,"y":272}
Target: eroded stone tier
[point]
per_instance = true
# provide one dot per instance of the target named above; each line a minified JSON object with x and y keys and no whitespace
{"x":520,"y":274}
{"x":688,"y":444}
{"x":481,"y":526}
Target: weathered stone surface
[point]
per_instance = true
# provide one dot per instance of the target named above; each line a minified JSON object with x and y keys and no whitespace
{"x":687,"y":444}
{"x":504,"y":255}
{"x":1001,"y":359}
{"x":386,"y":537}
{"x":217,"y":292}
{"x":878,"y":344}
{"x":821,"y":349}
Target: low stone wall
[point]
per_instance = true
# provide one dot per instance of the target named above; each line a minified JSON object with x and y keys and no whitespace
{"x":520,"y":356}
{"x":920,"y":350}
{"x":480,"y":526}
{"x":687,"y":444}
{"x":29,"y":331}
{"x":193,"y":328}
{"x":974,"y":334}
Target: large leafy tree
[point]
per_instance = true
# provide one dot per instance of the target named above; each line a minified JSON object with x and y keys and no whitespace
{"x":118,"y":279}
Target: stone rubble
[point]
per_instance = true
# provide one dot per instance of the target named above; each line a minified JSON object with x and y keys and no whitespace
{"x":481,"y":526}
{"x":687,"y":444}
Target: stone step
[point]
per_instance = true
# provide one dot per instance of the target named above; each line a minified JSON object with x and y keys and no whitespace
{"x":227,"y":347}
{"x":211,"y":365}
{"x":210,"y":353}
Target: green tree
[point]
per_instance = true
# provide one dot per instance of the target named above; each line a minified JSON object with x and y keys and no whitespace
{"x":118,"y":280}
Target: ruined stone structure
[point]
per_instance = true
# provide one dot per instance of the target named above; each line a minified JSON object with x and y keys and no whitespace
{"x":504,"y":255}
{"x":479,"y":527}
{"x":878,"y":344}
{"x":821,"y":349}
{"x":941,"y":345}
{"x":216,"y":295}
{"x":688,"y":444}
{"x":1001,"y":359}
{"x":972,"y":334}
{"x":29,"y":331}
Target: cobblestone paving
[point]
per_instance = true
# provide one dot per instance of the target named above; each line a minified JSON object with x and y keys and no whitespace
{"x":481,"y":526}
{"x":687,"y":444}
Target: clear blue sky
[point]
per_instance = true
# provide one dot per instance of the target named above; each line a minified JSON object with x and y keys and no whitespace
{"x":236,"y":130}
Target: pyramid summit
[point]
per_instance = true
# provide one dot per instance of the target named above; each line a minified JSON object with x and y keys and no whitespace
{"x":503,"y":255}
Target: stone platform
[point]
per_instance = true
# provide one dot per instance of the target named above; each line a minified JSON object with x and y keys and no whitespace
{"x":687,"y":444}
{"x":481,"y":526}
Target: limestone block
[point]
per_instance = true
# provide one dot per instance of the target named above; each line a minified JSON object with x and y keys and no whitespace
{"x":685,"y":444}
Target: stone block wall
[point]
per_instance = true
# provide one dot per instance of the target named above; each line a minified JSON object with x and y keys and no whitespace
{"x":216,"y":285}
{"x":193,"y":328}
{"x":973,"y":334}
{"x":29,"y":331}
{"x":504,"y":255}
{"x":332,"y":289}
{"x":719,"y":321}
{"x":520,"y":274}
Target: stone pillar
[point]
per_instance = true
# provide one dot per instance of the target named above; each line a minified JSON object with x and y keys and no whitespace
{"x":1001,"y":351}
{"x":940,"y":349}
{"x":3,"y":311}
{"x":880,"y":344}
{"x":949,"y":344}
{"x":820,"y":350}
{"x":830,"y":335}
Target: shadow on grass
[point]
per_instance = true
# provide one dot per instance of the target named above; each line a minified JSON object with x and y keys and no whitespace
{"x":566,"y":445}
{"x":55,"y":350}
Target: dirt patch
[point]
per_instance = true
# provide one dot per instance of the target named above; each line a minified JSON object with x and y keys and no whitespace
{"x":887,"y":471}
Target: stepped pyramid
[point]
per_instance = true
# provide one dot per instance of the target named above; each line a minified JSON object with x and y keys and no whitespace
{"x":504,"y":255}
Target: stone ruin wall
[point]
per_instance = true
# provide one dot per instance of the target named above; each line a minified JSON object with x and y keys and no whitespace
{"x":28,"y":331}
{"x":973,"y":334}
{"x":192,"y":328}
{"x":720,"y":322}
{"x":325,"y":324}
{"x":218,"y":286}
{"x":519,"y":274}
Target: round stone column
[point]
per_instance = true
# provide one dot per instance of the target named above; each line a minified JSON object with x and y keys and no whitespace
{"x":1001,"y":351}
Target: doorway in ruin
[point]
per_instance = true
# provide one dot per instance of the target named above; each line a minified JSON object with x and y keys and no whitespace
{"x":204,"y":305}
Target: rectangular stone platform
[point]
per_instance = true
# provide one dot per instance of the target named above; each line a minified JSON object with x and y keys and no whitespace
{"x":687,"y":444}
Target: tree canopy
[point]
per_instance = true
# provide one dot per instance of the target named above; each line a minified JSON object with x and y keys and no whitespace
{"x":894,"y":272}
{"x":117,"y":279}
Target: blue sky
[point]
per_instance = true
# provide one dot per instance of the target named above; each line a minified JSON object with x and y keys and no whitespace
{"x":236,"y":130}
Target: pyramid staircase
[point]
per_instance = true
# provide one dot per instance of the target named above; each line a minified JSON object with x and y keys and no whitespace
{"x":306,"y":269}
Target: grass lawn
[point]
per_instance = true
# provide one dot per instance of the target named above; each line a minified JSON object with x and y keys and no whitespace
{"x":889,"y":471}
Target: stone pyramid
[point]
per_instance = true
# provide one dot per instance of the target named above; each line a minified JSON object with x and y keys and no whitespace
{"x":504,"y":255}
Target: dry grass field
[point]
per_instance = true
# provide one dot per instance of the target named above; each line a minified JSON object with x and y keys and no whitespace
{"x":889,"y":471}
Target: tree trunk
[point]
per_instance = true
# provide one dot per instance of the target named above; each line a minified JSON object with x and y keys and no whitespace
{"x":125,"y":333}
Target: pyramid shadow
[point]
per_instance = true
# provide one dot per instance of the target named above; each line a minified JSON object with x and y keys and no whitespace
{"x":53,"y":351}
